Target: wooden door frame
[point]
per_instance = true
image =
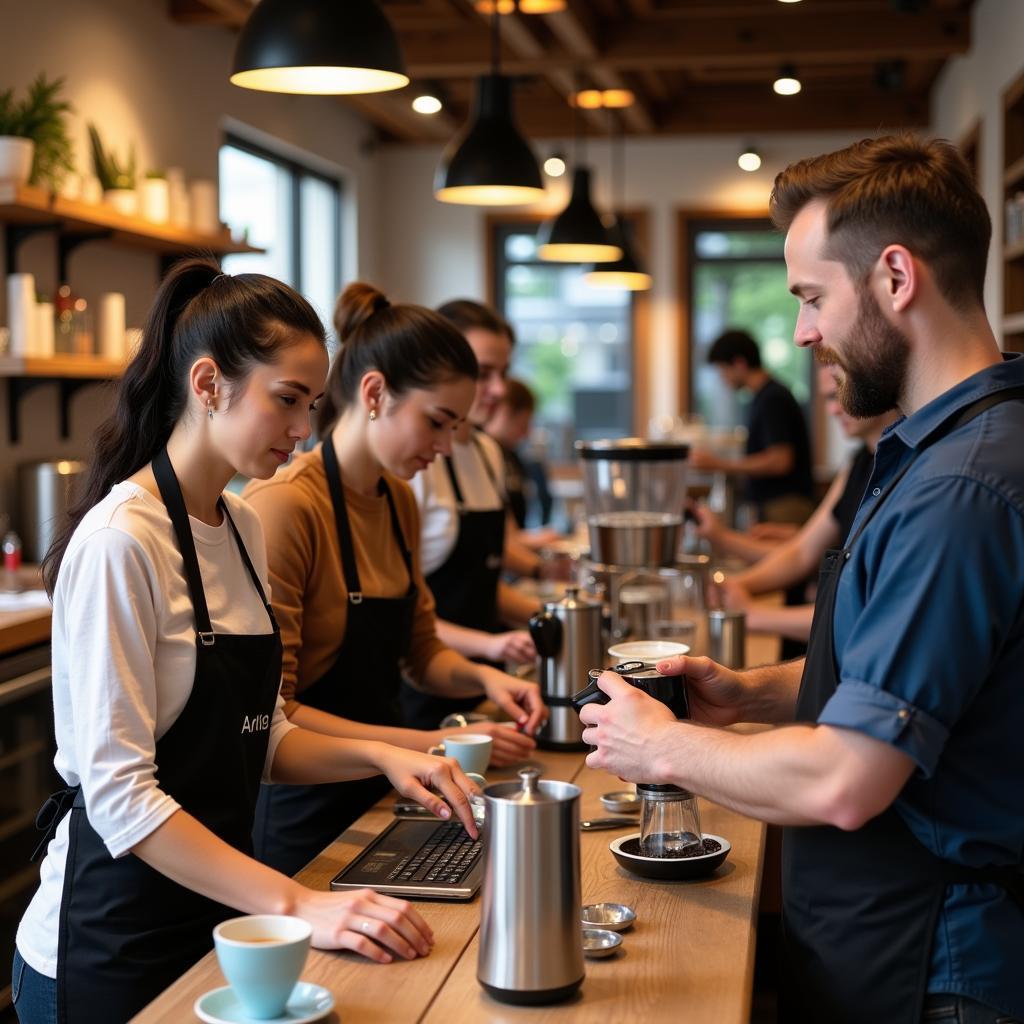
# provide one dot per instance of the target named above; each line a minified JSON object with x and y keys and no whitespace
{"x":639,"y":221}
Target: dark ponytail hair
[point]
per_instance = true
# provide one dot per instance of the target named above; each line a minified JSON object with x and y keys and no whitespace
{"x":467,"y":314}
{"x":198,"y":311}
{"x":412,"y":346}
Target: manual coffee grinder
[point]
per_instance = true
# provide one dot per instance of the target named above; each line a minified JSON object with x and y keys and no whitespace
{"x":669,"y":818}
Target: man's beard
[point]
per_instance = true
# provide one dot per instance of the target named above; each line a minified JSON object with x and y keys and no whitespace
{"x":874,"y":362}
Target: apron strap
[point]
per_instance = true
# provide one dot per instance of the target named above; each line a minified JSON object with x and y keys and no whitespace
{"x":253,"y":575}
{"x":170,"y":491}
{"x":348,"y":552}
{"x":460,"y":502}
{"x":967,"y":414}
{"x":396,"y":529}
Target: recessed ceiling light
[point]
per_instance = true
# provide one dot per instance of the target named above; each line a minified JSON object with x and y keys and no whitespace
{"x":554,"y":167}
{"x":787,"y":84}
{"x":426,"y":104}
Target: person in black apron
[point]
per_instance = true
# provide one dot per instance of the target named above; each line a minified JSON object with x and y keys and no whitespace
{"x":126,"y":928}
{"x":903,"y":890}
{"x":399,"y":366}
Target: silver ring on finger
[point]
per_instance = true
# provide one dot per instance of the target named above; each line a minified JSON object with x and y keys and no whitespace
{"x":365,"y":927}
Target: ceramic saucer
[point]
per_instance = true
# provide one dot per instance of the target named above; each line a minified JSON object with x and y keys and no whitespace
{"x":308,"y":1002}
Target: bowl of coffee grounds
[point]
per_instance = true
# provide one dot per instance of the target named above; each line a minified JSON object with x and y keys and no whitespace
{"x":700,"y":862}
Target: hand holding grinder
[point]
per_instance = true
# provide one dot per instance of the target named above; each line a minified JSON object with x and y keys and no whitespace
{"x":669,"y":819}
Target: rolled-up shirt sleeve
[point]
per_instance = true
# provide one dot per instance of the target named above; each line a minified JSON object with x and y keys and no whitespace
{"x":920,"y":611}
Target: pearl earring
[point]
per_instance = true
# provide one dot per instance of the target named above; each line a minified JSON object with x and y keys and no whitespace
{"x":373,"y":415}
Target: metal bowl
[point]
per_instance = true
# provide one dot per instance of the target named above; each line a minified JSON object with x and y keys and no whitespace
{"x":615,"y":917}
{"x":623,"y":801}
{"x":668,"y":869}
{"x":599,"y":942}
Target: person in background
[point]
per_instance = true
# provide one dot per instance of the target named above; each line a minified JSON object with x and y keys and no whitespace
{"x":777,"y":463}
{"x":778,"y":566}
{"x":342,"y":532}
{"x":901,"y":784}
{"x":167,"y":666}
{"x":509,"y":425}
{"x":464,"y":538}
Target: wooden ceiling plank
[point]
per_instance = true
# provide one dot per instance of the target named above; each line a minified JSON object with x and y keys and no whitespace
{"x":393,"y":113}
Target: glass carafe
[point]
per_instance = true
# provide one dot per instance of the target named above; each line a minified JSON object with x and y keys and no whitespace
{"x":669,"y":822}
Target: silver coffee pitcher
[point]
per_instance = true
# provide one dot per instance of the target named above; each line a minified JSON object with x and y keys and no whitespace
{"x":531,"y":946}
{"x":569,"y":641}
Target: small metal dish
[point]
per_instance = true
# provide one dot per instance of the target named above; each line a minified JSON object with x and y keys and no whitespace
{"x":615,"y":917}
{"x":599,"y":942}
{"x":623,"y":801}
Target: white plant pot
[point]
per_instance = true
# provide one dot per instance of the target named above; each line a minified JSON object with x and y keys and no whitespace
{"x":155,"y":195}
{"x":124,"y":200}
{"x":16,"y":158}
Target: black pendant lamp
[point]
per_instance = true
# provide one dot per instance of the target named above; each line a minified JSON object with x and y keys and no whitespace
{"x":489,"y":163}
{"x":627,"y":272}
{"x":322,"y":47}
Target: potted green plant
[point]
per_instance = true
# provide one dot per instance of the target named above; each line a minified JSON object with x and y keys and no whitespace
{"x":34,"y":142}
{"x":155,"y":197}
{"x":117,"y":178}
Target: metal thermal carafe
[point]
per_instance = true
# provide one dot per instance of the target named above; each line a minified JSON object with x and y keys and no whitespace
{"x":531,"y":943}
{"x":669,"y":817}
{"x":569,"y":638}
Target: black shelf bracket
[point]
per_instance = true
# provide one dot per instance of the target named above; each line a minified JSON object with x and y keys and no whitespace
{"x":68,"y":387}
{"x":16,"y":234}
{"x":67,"y":244}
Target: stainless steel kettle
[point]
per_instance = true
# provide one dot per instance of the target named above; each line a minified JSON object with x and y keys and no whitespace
{"x":569,"y":640}
{"x":531,"y":943}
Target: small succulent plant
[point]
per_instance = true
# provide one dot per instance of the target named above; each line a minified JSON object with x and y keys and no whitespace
{"x":111,"y":172}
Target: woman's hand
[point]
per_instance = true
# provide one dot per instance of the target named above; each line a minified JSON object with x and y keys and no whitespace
{"x":517,"y":698}
{"x":708,"y":525}
{"x":379,"y":927}
{"x":714,"y":692}
{"x":510,"y":746}
{"x":515,"y":646}
{"x":414,"y":775}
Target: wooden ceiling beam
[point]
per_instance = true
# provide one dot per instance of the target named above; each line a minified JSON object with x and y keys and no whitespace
{"x":392,"y":112}
{"x":762,"y":41}
{"x":231,"y":13}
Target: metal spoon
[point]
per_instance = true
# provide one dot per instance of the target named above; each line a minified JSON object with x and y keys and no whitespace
{"x":599,"y":824}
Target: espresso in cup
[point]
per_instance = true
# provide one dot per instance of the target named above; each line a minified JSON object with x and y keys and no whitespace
{"x":262,"y":956}
{"x":471,"y":750}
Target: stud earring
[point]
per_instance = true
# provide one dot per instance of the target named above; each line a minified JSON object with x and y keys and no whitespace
{"x":373,"y":415}
{"x":209,"y":408}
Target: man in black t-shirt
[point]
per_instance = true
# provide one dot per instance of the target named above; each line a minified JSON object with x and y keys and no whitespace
{"x":777,"y":464}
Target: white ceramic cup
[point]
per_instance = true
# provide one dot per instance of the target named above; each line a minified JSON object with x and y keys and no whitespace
{"x":648,"y":651}
{"x":472,"y":751}
{"x":262,"y":956}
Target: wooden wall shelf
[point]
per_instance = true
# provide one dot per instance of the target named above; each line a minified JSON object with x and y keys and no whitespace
{"x":61,"y":366}
{"x":27,"y":206}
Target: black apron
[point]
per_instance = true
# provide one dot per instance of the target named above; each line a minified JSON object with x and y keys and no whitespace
{"x":126,"y":930}
{"x":295,"y":823}
{"x":860,"y":908}
{"x":465,"y":589}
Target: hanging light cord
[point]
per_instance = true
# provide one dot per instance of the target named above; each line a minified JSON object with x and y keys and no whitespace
{"x":495,"y":41}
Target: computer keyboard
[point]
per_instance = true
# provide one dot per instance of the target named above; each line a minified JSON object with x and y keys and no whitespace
{"x":448,"y":855}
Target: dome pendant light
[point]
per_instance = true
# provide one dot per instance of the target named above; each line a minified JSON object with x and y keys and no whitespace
{"x":627,"y":272}
{"x":489,"y":163}
{"x":319,"y":47}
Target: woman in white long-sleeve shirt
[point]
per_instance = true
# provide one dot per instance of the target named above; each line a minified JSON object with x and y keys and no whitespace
{"x":166,"y":670}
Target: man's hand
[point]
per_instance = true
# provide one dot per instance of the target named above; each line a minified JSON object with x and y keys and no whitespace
{"x":515,"y":646}
{"x":702,"y":459}
{"x":734,"y":596}
{"x":626,"y":731}
{"x":714,"y":692}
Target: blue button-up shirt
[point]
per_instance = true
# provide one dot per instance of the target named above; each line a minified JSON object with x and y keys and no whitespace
{"x":929,"y":640}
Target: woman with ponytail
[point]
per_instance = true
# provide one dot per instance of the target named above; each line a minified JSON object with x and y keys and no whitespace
{"x":166,"y":671}
{"x":342,"y":534}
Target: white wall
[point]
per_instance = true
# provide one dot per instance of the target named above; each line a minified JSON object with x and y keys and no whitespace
{"x":971,"y":88}
{"x":144,"y":79}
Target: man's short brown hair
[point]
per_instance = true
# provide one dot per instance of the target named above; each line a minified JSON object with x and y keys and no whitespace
{"x":897,"y":189}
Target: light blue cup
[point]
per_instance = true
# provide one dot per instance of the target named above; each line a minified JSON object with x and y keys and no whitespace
{"x":262,"y":957}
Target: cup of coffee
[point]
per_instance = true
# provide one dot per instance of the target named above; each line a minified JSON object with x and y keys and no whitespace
{"x":472,"y":751}
{"x":262,"y":956}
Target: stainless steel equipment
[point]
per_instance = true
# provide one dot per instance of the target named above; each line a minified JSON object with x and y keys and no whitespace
{"x":634,"y":492}
{"x":45,"y":492}
{"x":569,"y":638}
{"x":531,"y":949}
{"x":727,"y":637}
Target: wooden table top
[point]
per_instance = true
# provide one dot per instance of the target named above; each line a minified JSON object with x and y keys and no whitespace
{"x":690,"y":955}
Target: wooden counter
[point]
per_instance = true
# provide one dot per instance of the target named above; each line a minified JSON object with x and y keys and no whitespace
{"x":689,"y":957}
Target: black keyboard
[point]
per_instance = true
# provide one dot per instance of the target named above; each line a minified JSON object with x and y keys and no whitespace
{"x":447,"y":855}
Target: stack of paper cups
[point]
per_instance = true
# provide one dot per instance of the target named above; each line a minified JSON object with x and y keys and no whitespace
{"x":111,"y":326}
{"x":202,"y":197}
{"x":21,"y":313}
{"x":43,"y":342}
